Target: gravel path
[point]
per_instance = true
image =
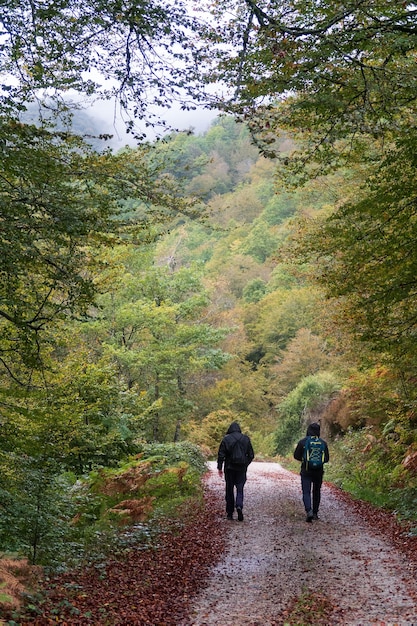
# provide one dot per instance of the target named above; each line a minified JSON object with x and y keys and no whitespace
{"x":274,"y":556}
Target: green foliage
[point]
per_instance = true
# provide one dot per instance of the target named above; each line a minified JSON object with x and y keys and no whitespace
{"x":350,"y":72}
{"x":60,"y":202}
{"x":263,"y":445}
{"x":302,"y":406}
{"x":366,"y":256}
{"x":283,"y":277}
{"x":51,"y":214}
{"x":279,"y":208}
{"x":351,"y":76}
{"x":53,"y":520}
{"x":84,"y":419}
{"x":305,"y":354}
{"x":254,"y":290}
{"x":151,"y":330}
{"x":366,"y":472}
{"x":369,"y":464}
{"x":37,"y":38}
{"x":141,"y":490}
{"x":175,"y":454}
{"x":214,"y":426}
{"x":171,"y":489}
{"x":37,"y":509}
{"x":260,"y":243}
{"x":4,"y":597}
{"x":123,"y":302}
{"x":278,"y":317}
{"x":213,"y":165}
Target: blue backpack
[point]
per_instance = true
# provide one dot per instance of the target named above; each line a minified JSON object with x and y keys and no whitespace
{"x":313,"y":455}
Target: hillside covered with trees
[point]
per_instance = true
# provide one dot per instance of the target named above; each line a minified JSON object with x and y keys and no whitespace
{"x":262,"y":272}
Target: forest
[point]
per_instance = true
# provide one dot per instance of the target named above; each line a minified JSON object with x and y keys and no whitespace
{"x":263,"y":271}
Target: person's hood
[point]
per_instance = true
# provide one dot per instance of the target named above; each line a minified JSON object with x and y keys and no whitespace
{"x":313,"y":430}
{"x":234,"y":428}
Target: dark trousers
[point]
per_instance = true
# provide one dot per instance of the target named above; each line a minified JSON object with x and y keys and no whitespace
{"x":311,"y":482}
{"x":234,"y":478}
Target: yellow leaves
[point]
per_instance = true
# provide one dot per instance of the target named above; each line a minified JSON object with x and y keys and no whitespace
{"x":34,"y":71}
{"x":235,"y":245}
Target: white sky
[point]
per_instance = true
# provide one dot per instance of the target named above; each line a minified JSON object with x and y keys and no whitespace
{"x":198,"y":120}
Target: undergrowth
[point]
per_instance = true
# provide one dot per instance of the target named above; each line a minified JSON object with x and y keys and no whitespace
{"x":113,"y":509}
{"x":369,"y":466}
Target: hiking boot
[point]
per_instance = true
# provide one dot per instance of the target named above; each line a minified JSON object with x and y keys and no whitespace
{"x":239,"y":514}
{"x":310,"y":516}
{"x":315,"y":516}
{"x":229,"y":516}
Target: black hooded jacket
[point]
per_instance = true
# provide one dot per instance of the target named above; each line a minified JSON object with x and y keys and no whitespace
{"x":233,"y":434}
{"x":312,"y":431}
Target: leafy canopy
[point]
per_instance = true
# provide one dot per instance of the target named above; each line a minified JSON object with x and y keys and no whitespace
{"x":134,"y":51}
{"x":343,"y":70}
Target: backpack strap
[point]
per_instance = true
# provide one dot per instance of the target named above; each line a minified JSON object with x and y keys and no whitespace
{"x":235,"y":439}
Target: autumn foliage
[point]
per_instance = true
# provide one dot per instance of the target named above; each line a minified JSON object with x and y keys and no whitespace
{"x":143,"y":586}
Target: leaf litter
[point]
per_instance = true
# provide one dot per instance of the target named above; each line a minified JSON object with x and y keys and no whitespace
{"x":356,"y":566}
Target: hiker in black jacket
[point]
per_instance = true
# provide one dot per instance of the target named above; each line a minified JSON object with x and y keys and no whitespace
{"x":311,"y":479}
{"x":234,"y":467}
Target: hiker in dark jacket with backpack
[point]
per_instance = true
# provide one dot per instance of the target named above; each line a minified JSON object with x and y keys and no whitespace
{"x":313,"y":452}
{"x":236,"y":453}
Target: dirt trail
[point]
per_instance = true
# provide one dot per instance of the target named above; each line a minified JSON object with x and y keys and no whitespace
{"x":274,"y":556}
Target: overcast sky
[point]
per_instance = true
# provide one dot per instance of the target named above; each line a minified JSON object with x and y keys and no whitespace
{"x":198,"y":120}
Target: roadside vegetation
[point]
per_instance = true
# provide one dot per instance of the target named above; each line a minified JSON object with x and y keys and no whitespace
{"x":82,"y":523}
{"x":263,"y":271}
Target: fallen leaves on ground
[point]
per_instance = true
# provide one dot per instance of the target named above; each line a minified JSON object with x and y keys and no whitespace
{"x":315,"y":608}
{"x":148,"y":587}
{"x":385,"y":523}
{"x":155,"y":586}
